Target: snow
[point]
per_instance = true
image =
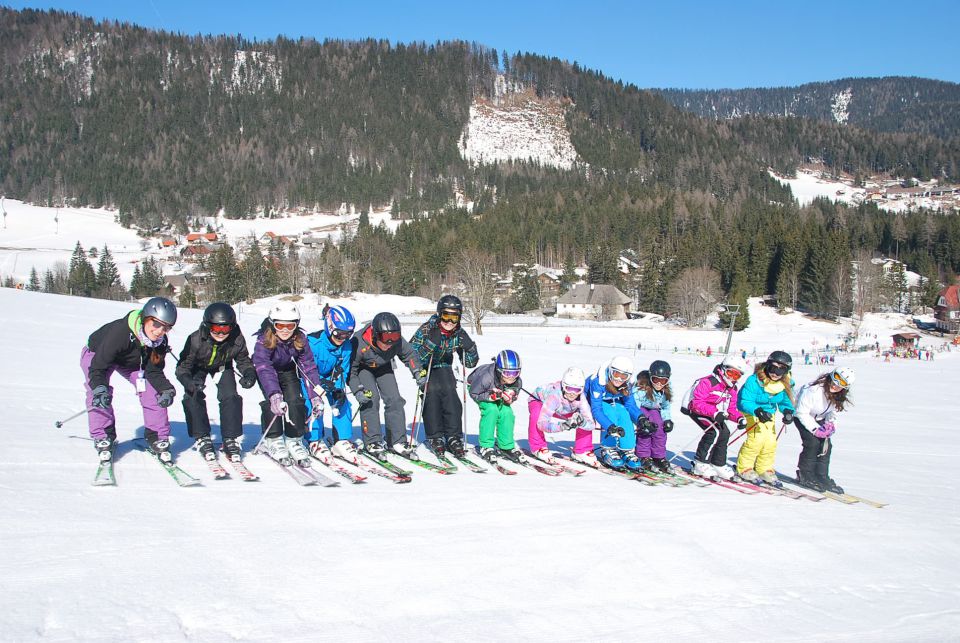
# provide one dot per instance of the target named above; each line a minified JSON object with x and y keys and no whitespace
{"x":469,"y":557}
{"x":806,"y":187}
{"x":840,"y":106}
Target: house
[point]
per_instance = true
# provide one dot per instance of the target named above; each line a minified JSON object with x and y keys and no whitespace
{"x":593,"y":301}
{"x":270,"y":237}
{"x":173,"y":285}
{"x":195,"y":252}
{"x":906,"y":340}
{"x":947,"y":310}
{"x":168,"y":242}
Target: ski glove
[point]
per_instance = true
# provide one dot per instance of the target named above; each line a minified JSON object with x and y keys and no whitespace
{"x":720,"y":417}
{"x":465,"y":341}
{"x":338,"y":396}
{"x":495,"y":395}
{"x":762,"y":415}
{"x":742,"y":423}
{"x":645,"y":428}
{"x":248,"y":379}
{"x":509,"y":396}
{"x":825,"y":430}
{"x":421,"y":378}
{"x":101,"y":397}
{"x":364,"y":395}
{"x":667,"y":426}
{"x":788,"y":417}
{"x":616,"y":431}
{"x":278,"y":406}
{"x":316,"y":403}
{"x":165,"y":398}
{"x":192,"y":387}
{"x":575,"y":421}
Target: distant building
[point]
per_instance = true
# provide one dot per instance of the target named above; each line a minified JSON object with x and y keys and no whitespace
{"x":593,"y":301}
{"x":947,"y":310}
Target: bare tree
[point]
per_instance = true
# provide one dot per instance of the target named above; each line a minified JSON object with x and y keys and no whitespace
{"x":867,"y":279}
{"x":694,"y":294}
{"x":474,"y":269}
{"x":840,"y":287}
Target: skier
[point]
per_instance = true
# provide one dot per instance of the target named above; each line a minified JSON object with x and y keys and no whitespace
{"x":212,"y":351}
{"x":135,"y":346}
{"x":495,"y":387}
{"x":281,"y":357}
{"x":372,"y":379}
{"x":562,"y":406}
{"x":712,"y":403}
{"x":652,"y":394}
{"x":332,"y":350}
{"x":765,"y":392}
{"x":817,"y":406}
{"x":615,"y":411}
{"x":435,"y":342}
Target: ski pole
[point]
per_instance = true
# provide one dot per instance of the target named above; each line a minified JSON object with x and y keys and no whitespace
{"x":531,"y":395}
{"x":463,"y":403}
{"x":703,"y":430}
{"x":265,"y":432}
{"x":421,"y":395}
{"x":60,"y":423}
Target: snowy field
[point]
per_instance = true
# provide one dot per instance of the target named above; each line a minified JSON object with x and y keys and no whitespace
{"x":468,"y":557}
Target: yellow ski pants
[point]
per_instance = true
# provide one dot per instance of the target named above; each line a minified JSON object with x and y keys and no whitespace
{"x":759,"y":450}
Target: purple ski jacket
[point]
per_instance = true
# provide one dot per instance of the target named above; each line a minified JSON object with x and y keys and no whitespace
{"x":283,"y":357}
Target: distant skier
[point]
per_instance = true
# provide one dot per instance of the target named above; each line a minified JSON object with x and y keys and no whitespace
{"x":332,"y":351}
{"x":281,"y":357}
{"x":712,"y":403}
{"x":616,"y":412}
{"x":436,"y":341}
{"x":134,"y":346}
{"x":562,"y":406}
{"x":495,"y":387}
{"x":765,"y":392}
{"x":653,"y":395}
{"x":818,"y":404}
{"x":212,"y":351}
{"x":372,"y":380}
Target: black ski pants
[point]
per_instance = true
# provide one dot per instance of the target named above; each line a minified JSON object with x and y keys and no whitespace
{"x":231,"y":406}
{"x":442,"y":408}
{"x":295,"y":426}
{"x":382,"y":382}
{"x":815,"y":455}
{"x":712,"y":447}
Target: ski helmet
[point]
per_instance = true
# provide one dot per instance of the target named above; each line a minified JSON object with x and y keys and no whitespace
{"x":451,"y":303}
{"x":843,"y":376}
{"x":339,"y":319}
{"x":219,"y":313}
{"x":386,"y":328}
{"x":732,"y":362}
{"x":620,"y":364}
{"x":573,"y":379}
{"x":161,"y":309}
{"x":508,"y":362}
{"x":284,"y":311}
{"x":781,"y":357}
{"x":659,"y":368}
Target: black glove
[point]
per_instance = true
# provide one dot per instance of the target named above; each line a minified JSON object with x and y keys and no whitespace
{"x":762,"y":415}
{"x":720,"y":417}
{"x":788,"y":417}
{"x":338,"y":396}
{"x":645,"y":428}
{"x":616,"y":431}
{"x":193,"y":386}
{"x":465,"y":341}
{"x":101,"y":397}
{"x":575,"y":421}
{"x":165,"y":398}
{"x":248,"y":379}
{"x":667,"y":426}
{"x":742,"y":423}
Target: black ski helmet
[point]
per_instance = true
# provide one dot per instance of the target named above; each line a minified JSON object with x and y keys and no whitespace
{"x":660,"y":368}
{"x":450,"y":302}
{"x":161,"y":309}
{"x":384,"y":323}
{"x":219,"y":313}
{"x":781,"y":357}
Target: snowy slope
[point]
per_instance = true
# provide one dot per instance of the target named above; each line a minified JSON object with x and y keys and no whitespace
{"x":465,"y":557}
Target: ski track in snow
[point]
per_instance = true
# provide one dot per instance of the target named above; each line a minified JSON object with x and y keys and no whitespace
{"x":466,"y":556}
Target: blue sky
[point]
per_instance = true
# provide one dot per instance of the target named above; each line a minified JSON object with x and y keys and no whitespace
{"x":678,"y":43}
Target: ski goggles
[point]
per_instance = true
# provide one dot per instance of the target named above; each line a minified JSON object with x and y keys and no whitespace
{"x":776,"y":368}
{"x":159,"y":324}
{"x":450,"y":318}
{"x":619,"y":376}
{"x":279,"y":325}
{"x":732,"y":374}
{"x":221,"y":329}
{"x":839,"y":381}
{"x":341,"y":335}
{"x":660,"y":380}
{"x":391,"y":337}
{"x":572,"y":391}
{"x":514,"y":374}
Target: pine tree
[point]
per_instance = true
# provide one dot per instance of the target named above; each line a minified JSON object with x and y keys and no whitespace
{"x":226,"y":278}
{"x":526,"y":287}
{"x":34,"y":283}
{"x":82,"y":281}
{"x":188,"y":298}
{"x":108,"y":277}
{"x":136,"y":283}
{"x":254,"y":272}
{"x":48,"y":283}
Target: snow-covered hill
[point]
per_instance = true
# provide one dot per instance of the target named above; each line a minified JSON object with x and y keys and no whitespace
{"x":467,"y":556}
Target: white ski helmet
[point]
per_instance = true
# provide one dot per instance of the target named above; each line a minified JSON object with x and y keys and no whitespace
{"x":621,"y":364}
{"x":573,"y":378}
{"x":284,"y":311}
{"x":732,"y":362}
{"x":843,"y":376}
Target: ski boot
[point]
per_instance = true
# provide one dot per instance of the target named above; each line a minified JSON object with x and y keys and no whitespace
{"x":589,"y":458}
{"x":231,"y":449}
{"x":705,"y":470}
{"x":344,"y":450}
{"x":611,"y":457}
{"x":487,"y":453}
{"x":829,"y":484}
{"x":161,"y":448}
{"x":543,"y":455}
{"x":298,"y":452}
{"x":749,"y":475}
{"x":377,"y":449}
{"x":437,"y":445}
{"x":662,"y":465}
{"x":646,"y":464}
{"x":513,"y":455}
{"x":276,"y":448}
{"x":405,"y":450}
{"x":455,"y":446}
{"x":205,"y":446}
{"x":725,"y":472}
{"x":105,"y":448}
{"x":770,"y":477}
{"x":320,"y":451}
{"x":809,"y":481}
{"x":632,"y":462}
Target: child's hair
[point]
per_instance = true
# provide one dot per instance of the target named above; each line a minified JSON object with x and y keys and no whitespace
{"x":761,"y":373}
{"x":645,"y":385}
{"x":838,"y":399}
{"x":270,"y":339}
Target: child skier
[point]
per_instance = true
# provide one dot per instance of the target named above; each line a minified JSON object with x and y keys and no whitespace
{"x":713,"y":402}
{"x":495,"y":387}
{"x":134,"y":346}
{"x":281,"y":357}
{"x":435,"y":342}
{"x":652,"y":394}
{"x":372,"y":379}
{"x":332,"y":351}
{"x":817,"y":406}
{"x":765,"y":392}
{"x":212,"y":351}
{"x":562,"y":406}
{"x":616,"y":412}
